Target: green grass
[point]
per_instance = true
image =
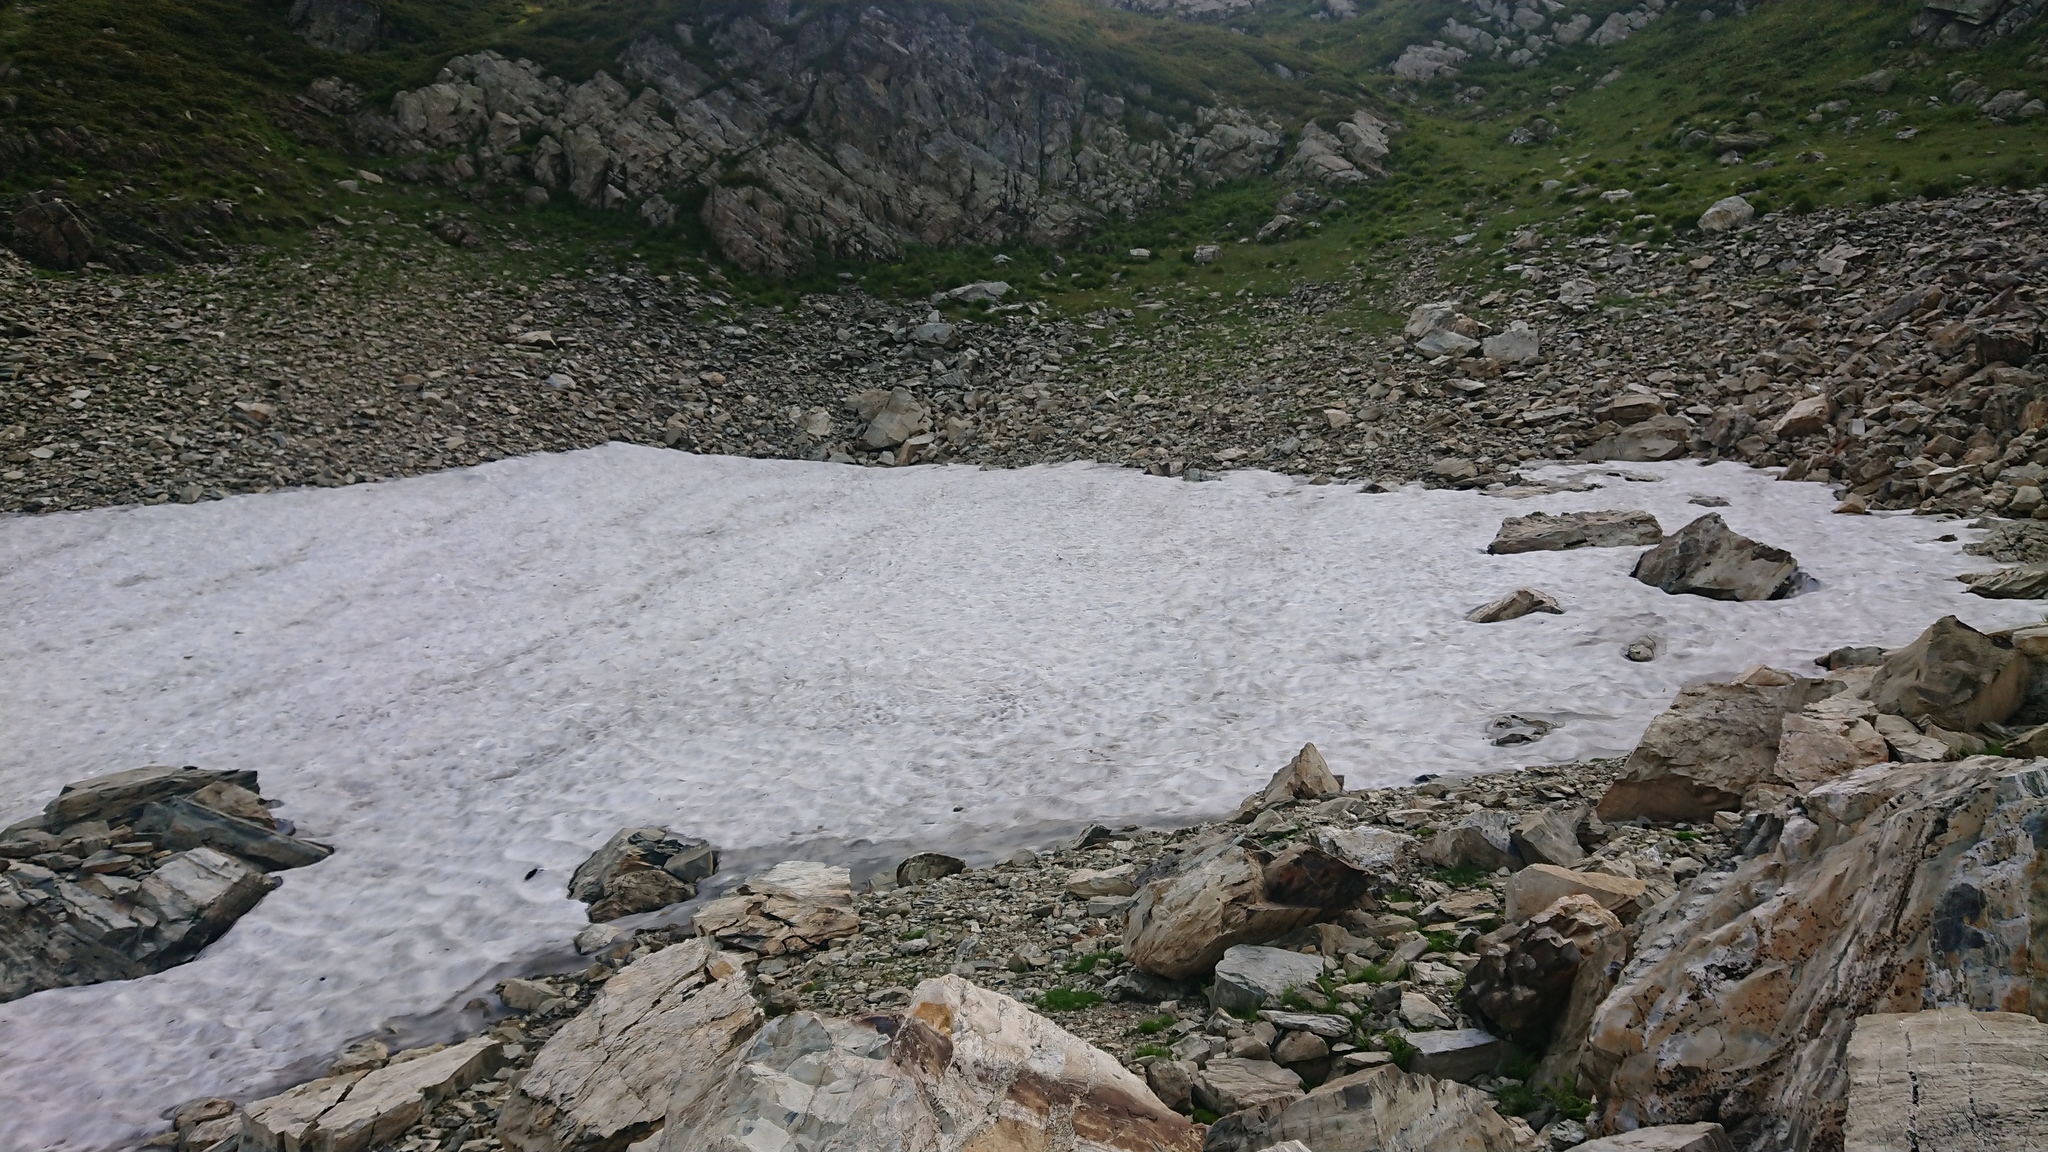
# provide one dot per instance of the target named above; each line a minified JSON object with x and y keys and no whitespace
{"x":1463,"y":876}
{"x":1521,"y":1100}
{"x":1398,"y":1047}
{"x":1068,"y":999}
{"x":1154,"y":1025}
{"x":1144,"y":1050}
{"x":1084,"y":964}
{"x":1441,"y":941}
{"x":916,"y":935}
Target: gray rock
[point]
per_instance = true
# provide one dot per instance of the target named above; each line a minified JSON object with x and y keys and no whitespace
{"x":1328,"y":1027}
{"x":1518,"y":344}
{"x":337,"y":25}
{"x":360,"y":1111}
{"x":1222,"y":895}
{"x":1727,"y":215}
{"x":1248,"y":977}
{"x":2024,"y":582}
{"x":1461,"y":1054}
{"x":1482,"y":840}
{"x":1950,"y":1078}
{"x":180,"y":823}
{"x":1543,"y":532}
{"x":1548,"y":836}
{"x":47,"y":231}
{"x":928,"y":866}
{"x":1657,"y":438}
{"x":1952,"y":676}
{"x":793,"y":907}
{"x":1364,"y":848}
{"x":1228,"y":1084}
{"x":1524,"y":980}
{"x":118,"y":798}
{"x":1381,"y":1109}
{"x":1702,"y":1137}
{"x":640,"y":870}
{"x":1706,"y":558}
{"x":1515,"y":605}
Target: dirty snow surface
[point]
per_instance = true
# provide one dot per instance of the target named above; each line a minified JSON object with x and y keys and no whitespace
{"x":466,"y":681}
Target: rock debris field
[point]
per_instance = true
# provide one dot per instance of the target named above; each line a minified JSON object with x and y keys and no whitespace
{"x":467,"y":682}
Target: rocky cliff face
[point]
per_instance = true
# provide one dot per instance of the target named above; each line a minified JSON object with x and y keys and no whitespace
{"x":844,"y":133}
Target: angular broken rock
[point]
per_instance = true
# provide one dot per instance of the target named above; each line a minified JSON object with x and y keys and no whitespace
{"x":1712,"y":745}
{"x":360,"y":1111}
{"x":1461,"y":1054}
{"x":1482,"y":840}
{"x":118,"y":797}
{"x":640,"y":870}
{"x":1658,"y":438}
{"x":1812,"y":749}
{"x":1900,"y":887}
{"x":1378,"y":1110}
{"x":1249,"y":977}
{"x":1707,"y":1137}
{"x":1117,"y":881}
{"x":1226,"y":894}
{"x":793,"y":907}
{"x":1228,"y":1084}
{"x":1953,"y":676}
{"x":1949,"y":1078}
{"x":1539,"y":886}
{"x":181,"y":823}
{"x":927,"y":866}
{"x":1548,"y":836}
{"x":962,"y":1067}
{"x":1514,"y":606}
{"x":1543,"y":532}
{"x":1523,"y":982}
{"x":2022,"y":582}
{"x":1306,"y":777}
{"x":1707,"y":558}
{"x":604,"y":1080}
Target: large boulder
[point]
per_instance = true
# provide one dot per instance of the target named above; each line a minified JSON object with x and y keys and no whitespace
{"x":1657,"y":438}
{"x":961,"y":1068}
{"x":1524,"y":980}
{"x":1539,"y":886}
{"x":1549,"y":836}
{"x":793,"y":907}
{"x":1226,"y":894}
{"x":1899,"y":888}
{"x":1306,"y":777}
{"x":603,"y":1081}
{"x":1250,"y":977}
{"x":1727,"y":215}
{"x":118,"y":798}
{"x":359,"y":1111}
{"x":1665,"y":1138}
{"x":1482,"y":840}
{"x":1230,"y":1084}
{"x":1952,"y":676}
{"x":640,"y":870}
{"x":1950,"y":1078}
{"x":1707,"y":558}
{"x":1543,"y":532}
{"x":48,"y":232}
{"x":1713,"y":744}
{"x":1379,"y":1110}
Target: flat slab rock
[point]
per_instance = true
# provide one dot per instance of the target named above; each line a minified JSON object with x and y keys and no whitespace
{"x":1665,"y":1138}
{"x":1949,"y":1078}
{"x":359,"y":1111}
{"x":1249,"y":975}
{"x":1707,"y":558}
{"x":1543,"y":532}
{"x":1381,"y":1109}
{"x":793,"y":907}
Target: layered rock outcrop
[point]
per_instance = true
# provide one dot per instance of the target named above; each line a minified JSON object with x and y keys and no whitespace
{"x":849,"y":133}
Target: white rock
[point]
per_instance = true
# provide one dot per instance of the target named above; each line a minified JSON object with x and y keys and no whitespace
{"x":1727,"y":215}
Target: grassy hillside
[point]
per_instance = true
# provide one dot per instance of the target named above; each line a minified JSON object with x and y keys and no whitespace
{"x":193,"y":99}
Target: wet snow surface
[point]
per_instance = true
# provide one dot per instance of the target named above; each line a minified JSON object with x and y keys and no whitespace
{"x":466,"y":681}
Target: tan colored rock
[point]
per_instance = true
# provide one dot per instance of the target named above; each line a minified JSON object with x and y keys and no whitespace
{"x":1666,"y":1138}
{"x":1117,"y":881}
{"x":1543,"y":532}
{"x":1816,"y":748}
{"x":1515,"y":605}
{"x":1223,"y":895}
{"x":1381,"y":1109}
{"x":234,"y":800}
{"x":962,"y":1068}
{"x":1306,"y":777}
{"x":1539,"y":886}
{"x":1950,"y":1078}
{"x":1954,"y":676}
{"x":1804,"y":418}
{"x":359,"y":1111}
{"x":1228,"y":1084}
{"x":1714,"y":743}
{"x":1901,"y":888}
{"x":1523,"y":981}
{"x":604,"y":1079}
{"x":793,"y":907}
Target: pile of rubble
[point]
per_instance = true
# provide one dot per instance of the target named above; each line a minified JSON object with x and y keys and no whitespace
{"x":133,"y":873}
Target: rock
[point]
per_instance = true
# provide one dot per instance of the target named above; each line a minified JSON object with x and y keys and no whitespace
{"x":180,"y":823}
{"x":1548,"y":836}
{"x":1658,"y":438}
{"x":1706,"y":559}
{"x":1632,"y":408}
{"x":604,"y":1079}
{"x":1543,"y":532}
{"x":337,"y":25}
{"x":1713,"y":744}
{"x":119,"y":798}
{"x":1666,"y":1138}
{"x":1804,"y":418}
{"x":1727,"y":215}
{"x":793,"y":907}
{"x":1228,"y":1084}
{"x":597,"y":938}
{"x":1117,"y":881}
{"x":1325,"y":1026}
{"x":1641,"y":650}
{"x":1482,"y":840}
{"x":1381,"y":1109}
{"x":961,"y":1067}
{"x":1182,"y":923}
{"x":361,"y":1056}
{"x":1524,"y":980}
{"x":1518,"y":344}
{"x":1248,"y":977}
{"x":1419,"y":1011}
{"x":357,"y":1112}
{"x":48,"y":232}
{"x":1816,"y":748}
{"x":1952,"y":675}
{"x":2021,"y":582}
{"x":1306,"y":777}
{"x":1910,"y":745}
{"x":1538,"y":886}
{"x":1515,"y":605}
{"x":928,"y":866}
{"x":527,"y":995}
{"x":1363,"y":848}
{"x":980,"y":292}
{"x":1300,"y":1048}
{"x":892,"y":417}
{"x":1461,"y":1054}
{"x":640,"y":870}
{"x":1899,"y":887}
{"x":1173,"y":1081}
{"x":234,"y":800}
{"x":1948,"y":1078}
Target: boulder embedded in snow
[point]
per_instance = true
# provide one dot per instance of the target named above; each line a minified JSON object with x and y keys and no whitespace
{"x":1378,"y":1110}
{"x":962,"y":1067}
{"x":180,"y":823}
{"x":1911,"y":886}
{"x":793,"y":907}
{"x":1524,"y":980}
{"x":604,"y":1079}
{"x":1538,"y":886}
{"x":2020,"y":582}
{"x":1482,"y":840}
{"x":1950,"y":1078}
{"x":1543,"y":532}
{"x":1713,"y":744}
{"x":1515,"y":605}
{"x":1249,"y":977}
{"x":1707,"y":558}
{"x":1727,"y":215}
{"x":1702,"y":1137}
{"x":640,"y":870}
{"x":118,"y":797}
{"x":360,"y":1111}
{"x":1224,"y":895}
{"x":1953,"y":676}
